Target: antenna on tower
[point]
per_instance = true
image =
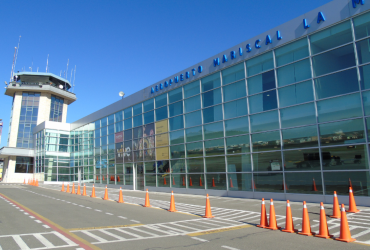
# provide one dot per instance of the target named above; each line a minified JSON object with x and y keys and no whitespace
{"x":60,"y":73}
{"x":47,"y":64}
{"x":16,"y":56}
{"x":11,"y":72}
{"x":67,"y":70}
{"x":74,"y":79}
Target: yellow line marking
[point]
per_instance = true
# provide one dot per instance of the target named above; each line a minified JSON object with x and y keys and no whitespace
{"x":360,"y":243}
{"x":56,"y":225}
{"x":219,"y":230}
{"x":90,"y":228}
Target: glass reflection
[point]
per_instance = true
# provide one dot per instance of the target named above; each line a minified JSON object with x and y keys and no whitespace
{"x":300,"y":137}
{"x":303,"y":160}
{"x":344,"y":132}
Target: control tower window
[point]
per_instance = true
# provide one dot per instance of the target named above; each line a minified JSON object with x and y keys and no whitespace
{"x":56,"y":109}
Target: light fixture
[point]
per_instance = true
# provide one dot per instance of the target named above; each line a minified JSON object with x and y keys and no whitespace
{"x":6,"y":83}
{"x":61,"y":86}
{"x":121,"y":94}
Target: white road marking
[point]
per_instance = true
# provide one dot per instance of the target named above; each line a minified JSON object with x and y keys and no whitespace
{"x":32,"y":217}
{"x":231,"y":248}
{"x":97,"y":210}
{"x":43,"y":240}
{"x":109,"y":213}
{"x":94,"y":236}
{"x":360,"y":234}
{"x":46,"y":226}
{"x":38,"y":221}
{"x":26,"y":213}
{"x":20,"y":242}
{"x":111,"y":234}
{"x":136,"y":221}
{"x":122,"y":217}
{"x":196,"y":238}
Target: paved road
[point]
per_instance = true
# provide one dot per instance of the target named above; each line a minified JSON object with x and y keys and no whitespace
{"x":45,"y":218}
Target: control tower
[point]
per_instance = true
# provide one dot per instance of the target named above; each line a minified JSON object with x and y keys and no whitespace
{"x":37,"y":98}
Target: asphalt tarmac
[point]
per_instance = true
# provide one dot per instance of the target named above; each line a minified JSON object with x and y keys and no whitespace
{"x":45,"y":218}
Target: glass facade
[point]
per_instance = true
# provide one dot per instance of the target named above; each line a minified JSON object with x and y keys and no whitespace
{"x":291,"y":120}
{"x":27,"y":119}
{"x":56,"y":109}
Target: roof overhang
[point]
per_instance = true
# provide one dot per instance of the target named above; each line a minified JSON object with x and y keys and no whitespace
{"x":32,"y":76}
{"x":7,"y":151}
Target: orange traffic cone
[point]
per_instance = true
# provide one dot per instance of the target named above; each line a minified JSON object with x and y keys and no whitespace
{"x":97,"y":177}
{"x":164,"y":181}
{"x":172,"y":204}
{"x":24,"y":182}
{"x":289,"y":225}
{"x":306,"y":227}
{"x":106,"y":193}
{"x":345,"y":234}
{"x":213,"y":182}
{"x":120,"y":197}
{"x":190,"y":182}
{"x":200,"y":182}
{"x":73,"y":189}
{"x":263,"y":220}
{"x":272,"y":222}
{"x":323,"y":231}
{"x":103,"y":178}
{"x":37,"y":183}
{"x":173,"y":181}
{"x":284,"y":185}
{"x":147,"y":202}
{"x":93,"y":192}
{"x":208,"y":209}
{"x":314,"y":185}
{"x":336,"y":210}
{"x":67,"y":190}
{"x":62,"y":188}
{"x":231,"y":183}
{"x":84,"y":191}
{"x":352,"y":203}
{"x":183,"y":181}
{"x":350,"y":183}
{"x":253,"y":185}
{"x":78,"y":190}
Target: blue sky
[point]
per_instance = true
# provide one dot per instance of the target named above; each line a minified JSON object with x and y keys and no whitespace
{"x":127,"y":45}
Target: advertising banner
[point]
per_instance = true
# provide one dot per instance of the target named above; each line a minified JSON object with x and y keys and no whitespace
{"x":118,"y":137}
{"x":161,"y":154}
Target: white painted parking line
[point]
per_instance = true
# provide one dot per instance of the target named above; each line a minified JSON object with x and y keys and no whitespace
{"x":32,"y":217}
{"x":97,"y":210}
{"x":111,"y":234}
{"x":26,"y":213}
{"x":136,"y":221}
{"x":108,"y":213}
{"x":196,"y":238}
{"x":38,"y":221}
{"x":43,"y":240}
{"x":122,"y":217}
{"x":20,"y":242}
{"x":101,"y":240}
{"x":231,"y":248}
{"x":46,"y":226}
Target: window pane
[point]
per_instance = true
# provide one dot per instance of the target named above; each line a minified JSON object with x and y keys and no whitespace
{"x":259,"y":64}
{"x":138,"y":120}
{"x":119,"y":126}
{"x":236,"y":108}
{"x":237,"y":144}
{"x":138,"y":109}
{"x":345,"y":158}
{"x":368,"y":127}
{"x":239,"y":163}
{"x":365,"y":77}
{"x":175,"y":109}
{"x":336,"y":84}
{"x":149,"y":117}
{"x":366,"y":99}
{"x":234,"y":91}
{"x":302,"y":160}
{"x":215,"y":164}
{"x":176,"y":123}
{"x":193,"y":119}
{"x":178,"y":166}
{"x":161,"y":113}
{"x":148,"y":105}
{"x":291,"y":52}
{"x":331,"y":37}
{"x":298,"y":115}
{"x":295,"y":94}
{"x":192,"y":103}
{"x":161,"y":100}
{"x":195,"y":165}
{"x":119,"y":116}
{"x":214,"y":147}
{"x":175,"y":95}
{"x":339,"y":182}
{"x":216,"y":181}
{"x":194,"y":134}
{"x":266,"y":141}
{"x":263,"y":102}
{"x":127,"y":123}
{"x":211,"y":98}
{"x":362,"y":26}
{"x":237,"y":126}
{"x":334,"y":60}
{"x":212,"y":114}
{"x":177,"y":151}
{"x":233,"y":74}
{"x":194,"y":149}
{"x":340,"y":107}
{"x":268,"y":183}
{"x":214,"y":130}
{"x":267,"y":162}
{"x":191,"y":89}
{"x":110,"y":131}
{"x":211,"y":82}
{"x":177,"y":137}
{"x":240,"y":182}
{"x":128,"y":135}
{"x":363,"y":51}
{"x":196,"y":181}
{"x":295,"y":72}
{"x":104,"y":122}
{"x":303,"y":183}
{"x":344,"y":132}
{"x":261,"y":82}
{"x":300,"y":137}
{"x":265,"y":121}
{"x":127,"y":113}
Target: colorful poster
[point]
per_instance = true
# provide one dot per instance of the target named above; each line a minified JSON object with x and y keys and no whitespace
{"x":118,"y":137}
{"x":119,"y":152}
{"x":161,"y":127}
{"x":161,"y":140}
{"x":161,"y":154}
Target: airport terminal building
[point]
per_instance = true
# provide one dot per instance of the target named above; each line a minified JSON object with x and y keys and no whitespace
{"x":285,"y":114}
